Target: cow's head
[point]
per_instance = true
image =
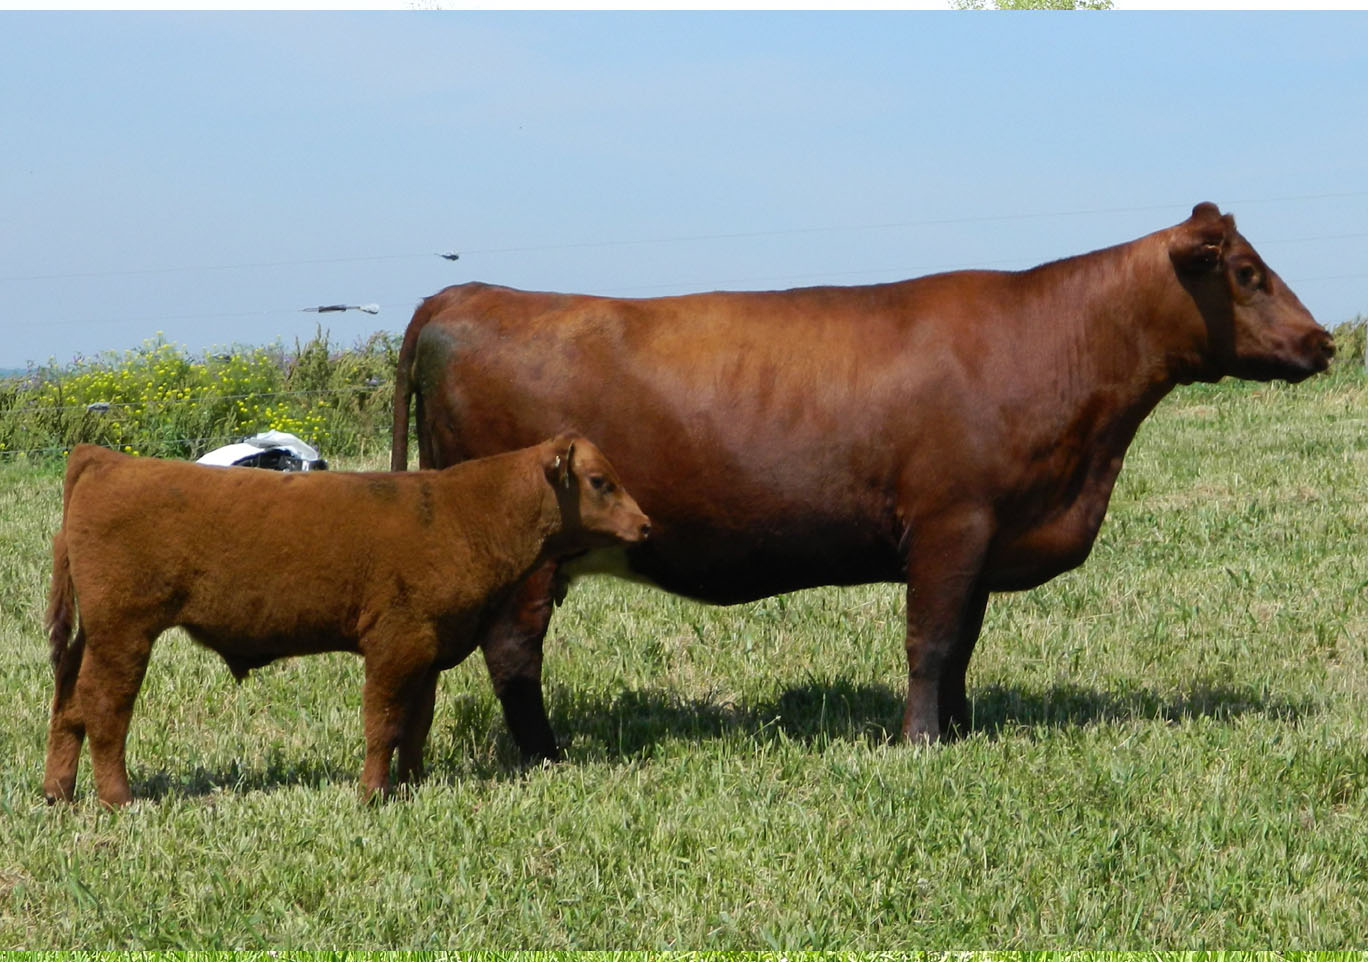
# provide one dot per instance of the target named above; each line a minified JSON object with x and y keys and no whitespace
{"x":1255,"y":327}
{"x":596,"y":510}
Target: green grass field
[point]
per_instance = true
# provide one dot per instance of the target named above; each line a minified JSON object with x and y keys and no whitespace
{"x":1170,"y":750}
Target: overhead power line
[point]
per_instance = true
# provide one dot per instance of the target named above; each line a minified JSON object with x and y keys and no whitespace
{"x":674,"y":239}
{"x":406,"y":303}
{"x":893,"y":225}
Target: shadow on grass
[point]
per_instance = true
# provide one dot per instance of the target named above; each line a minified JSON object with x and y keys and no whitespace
{"x":999,"y":708}
{"x":632,"y":723}
{"x":236,"y":778}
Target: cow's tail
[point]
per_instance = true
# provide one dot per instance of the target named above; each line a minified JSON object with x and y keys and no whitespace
{"x":60,"y":619}
{"x":403,"y":384}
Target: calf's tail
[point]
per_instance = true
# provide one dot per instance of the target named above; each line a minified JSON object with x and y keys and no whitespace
{"x":61,"y":610}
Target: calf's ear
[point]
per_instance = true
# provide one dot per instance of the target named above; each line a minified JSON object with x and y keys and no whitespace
{"x":565,"y":465}
{"x":558,"y":470}
{"x":1199,"y":243}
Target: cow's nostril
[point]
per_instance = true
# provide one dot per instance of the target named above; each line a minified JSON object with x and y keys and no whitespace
{"x":1321,"y":342}
{"x":645,"y":531}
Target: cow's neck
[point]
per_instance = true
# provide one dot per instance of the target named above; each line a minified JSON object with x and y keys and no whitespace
{"x":1101,"y":363}
{"x":1116,"y":341}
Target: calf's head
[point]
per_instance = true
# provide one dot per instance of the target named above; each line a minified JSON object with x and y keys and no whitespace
{"x":1255,"y":327}
{"x":596,"y":511}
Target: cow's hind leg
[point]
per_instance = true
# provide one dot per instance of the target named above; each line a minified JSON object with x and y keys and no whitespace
{"x":107,"y":684}
{"x":66,"y":729}
{"x":399,"y":689}
{"x":512,"y":645}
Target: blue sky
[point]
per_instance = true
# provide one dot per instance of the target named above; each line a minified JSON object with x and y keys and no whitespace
{"x":208,"y":175}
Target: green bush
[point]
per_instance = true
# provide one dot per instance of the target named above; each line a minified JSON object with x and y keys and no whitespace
{"x":159,"y":400}
{"x":1349,"y":341}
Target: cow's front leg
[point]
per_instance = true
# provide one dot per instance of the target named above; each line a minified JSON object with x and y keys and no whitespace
{"x":512,"y":646}
{"x":944,"y":613}
{"x":953,"y":695}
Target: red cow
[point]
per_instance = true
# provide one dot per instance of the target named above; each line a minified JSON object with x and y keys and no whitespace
{"x":959,"y":432}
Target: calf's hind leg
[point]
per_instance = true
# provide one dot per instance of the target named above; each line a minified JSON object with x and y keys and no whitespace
{"x":66,"y":729}
{"x":107,"y":684}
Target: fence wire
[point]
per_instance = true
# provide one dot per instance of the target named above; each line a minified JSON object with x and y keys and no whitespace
{"x":109,"y":408}
{"x":101,"y":406}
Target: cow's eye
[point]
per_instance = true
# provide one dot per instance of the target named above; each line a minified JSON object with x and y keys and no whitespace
{"x":1247,"y":275}
{"x":600,"y":484}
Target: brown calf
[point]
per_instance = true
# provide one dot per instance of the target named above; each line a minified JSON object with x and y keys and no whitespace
{"x":405,"y":570}
{"x":960,"y":433}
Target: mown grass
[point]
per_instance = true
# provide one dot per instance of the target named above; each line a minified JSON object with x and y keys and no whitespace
{"x":1169,"y":751}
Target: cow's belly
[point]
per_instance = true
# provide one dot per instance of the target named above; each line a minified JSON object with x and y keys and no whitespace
{"x":733,"y":572}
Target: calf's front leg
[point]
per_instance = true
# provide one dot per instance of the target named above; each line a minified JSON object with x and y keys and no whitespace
{"x":415,"y":733}
{"x":396,"y":703}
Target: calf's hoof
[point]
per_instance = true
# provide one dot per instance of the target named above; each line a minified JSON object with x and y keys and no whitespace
{"x":921,"y":735}
{"x":374,"y":794}
{"x":59,"y":790}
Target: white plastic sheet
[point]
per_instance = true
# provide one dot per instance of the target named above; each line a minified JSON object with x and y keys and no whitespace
{"x":254,"y":446}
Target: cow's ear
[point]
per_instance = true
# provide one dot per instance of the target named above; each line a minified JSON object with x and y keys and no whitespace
{"x":1199,"y":243}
